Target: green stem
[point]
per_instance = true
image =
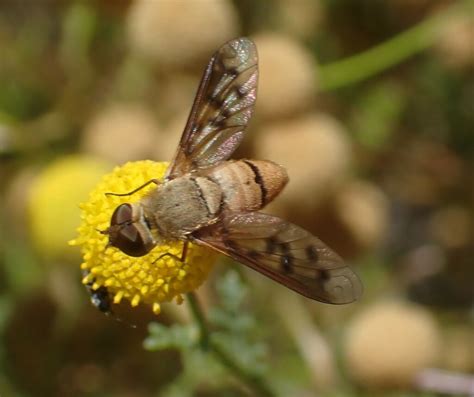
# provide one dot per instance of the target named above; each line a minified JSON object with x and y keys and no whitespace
{"x":198,"y":315}
{"x":390,"y":53}
{"x":255,"y":383}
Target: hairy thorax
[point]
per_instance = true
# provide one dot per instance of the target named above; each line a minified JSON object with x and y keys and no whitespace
{"x":182,"y":205}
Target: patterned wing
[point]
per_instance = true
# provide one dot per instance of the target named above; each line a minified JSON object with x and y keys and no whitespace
{"x":222,"y":108}
{"x":286,"y":253}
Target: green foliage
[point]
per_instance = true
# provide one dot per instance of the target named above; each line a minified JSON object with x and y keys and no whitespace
{"x":376,"y":114}
{"x":236,"y":327}
{"x":21,"y":267}
{"x":79,"y":27}
{"x":177,"y":336}
{"x":21,"y":99}
{"x":232,"y":340}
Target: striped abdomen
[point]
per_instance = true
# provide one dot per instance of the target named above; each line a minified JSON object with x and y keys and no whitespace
{"x":182,"y":205}
{"x":248,"y":185}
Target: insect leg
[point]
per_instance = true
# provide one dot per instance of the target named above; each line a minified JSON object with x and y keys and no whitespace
{"x":184,"y":252}
{"x":155,"y":181}
{"x":181,"y":258}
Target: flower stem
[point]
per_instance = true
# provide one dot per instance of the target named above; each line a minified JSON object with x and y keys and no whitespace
{"x":387,"y":54}
{"x":254,"y":383}
{"x":198,"y":315}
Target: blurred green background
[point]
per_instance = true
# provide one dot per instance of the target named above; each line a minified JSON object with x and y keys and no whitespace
{"x":370,"y":106}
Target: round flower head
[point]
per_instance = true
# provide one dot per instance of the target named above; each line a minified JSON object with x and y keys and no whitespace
{"x":389,"y":343}
{"x":122,"y":132}
{"x":52,"y":203}
{"x":363,"y":210}
{"x":178,"y":33}
{"x":152,"y":278}
{"x":287,"y":79}
{"x":300,"y":18}
{"x":454,"y":46}
{"x":318,"y":166}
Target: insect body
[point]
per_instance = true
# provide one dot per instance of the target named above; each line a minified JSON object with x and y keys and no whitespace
{"x":100,"y":297}
{"x":239,"y":186}
{"x":208,"y":200}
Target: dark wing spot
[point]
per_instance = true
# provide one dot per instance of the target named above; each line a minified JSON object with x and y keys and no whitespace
{"x":253,"y":254}
{"x":240,"y":92}
{"x":215,"y":101}
{"x":272,"y":245}
{"x":230,"y":244}
{"x":286,"y":263}
{"x":232,"y":71}
{"x":286,"y":260}
{"x":219,"y":65}
{"x":225,"y":113}
{"x":323,"y":275}
{"x":312,"y":253}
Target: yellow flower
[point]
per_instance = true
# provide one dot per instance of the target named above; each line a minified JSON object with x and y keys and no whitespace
{"x":52,"y":203}
{"x":144,"y":279}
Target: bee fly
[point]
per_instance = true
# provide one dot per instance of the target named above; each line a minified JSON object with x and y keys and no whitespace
{"x":209,"y":200}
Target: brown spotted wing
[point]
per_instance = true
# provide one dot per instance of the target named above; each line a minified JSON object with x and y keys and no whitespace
{"x":222,"y":109}
{"x":286,"y":253}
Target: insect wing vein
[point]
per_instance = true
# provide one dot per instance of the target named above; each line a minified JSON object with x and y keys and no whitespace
{"x":286,"y":253}
{"x":222,"y":108}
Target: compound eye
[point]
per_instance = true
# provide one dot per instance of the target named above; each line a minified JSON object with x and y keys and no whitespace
{"x":131,"y":240}
{"x":129,"y":232}
{"x":122,"y":214}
